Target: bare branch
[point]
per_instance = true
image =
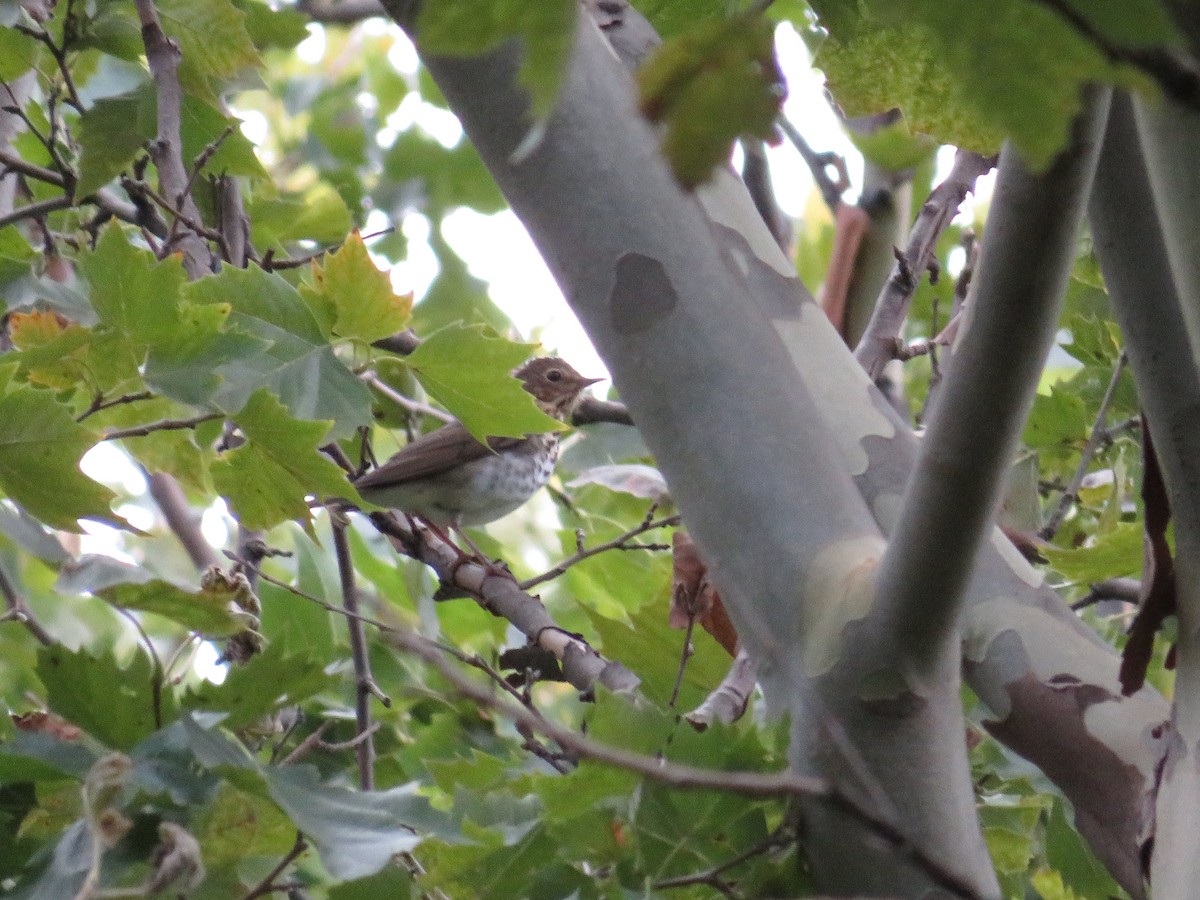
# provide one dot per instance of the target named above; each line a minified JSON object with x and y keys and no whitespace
{"x":878,"y":343}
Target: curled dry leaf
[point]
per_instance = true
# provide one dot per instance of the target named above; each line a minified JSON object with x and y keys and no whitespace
{"x":48,"y":723}
{"x":175,"y":861}
{"x":694,"y":596}
{"x":628,"y":478}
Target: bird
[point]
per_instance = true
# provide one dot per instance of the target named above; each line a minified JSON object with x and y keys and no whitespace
{"x":449,"y":478}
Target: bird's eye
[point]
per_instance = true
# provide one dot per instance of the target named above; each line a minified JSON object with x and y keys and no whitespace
{"x":554,"y":375}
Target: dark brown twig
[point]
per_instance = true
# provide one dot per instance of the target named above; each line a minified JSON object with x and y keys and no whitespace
{"x":99,"y":402}
{"x":1175,"y":72}
{"x":164,"y":425}
{"x":620,"y":542}
{"x":365,"y":750}
{"x":267,"y":885}
{"x":18,"y":611}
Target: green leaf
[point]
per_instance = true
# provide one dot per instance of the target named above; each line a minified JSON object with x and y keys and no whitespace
{"x":356,"y":832}
{"x":471,"y":27}
{"x":110,"y":135}
{"x":18,"y":54}
{"x":272,"y":679}
{"x":714,"y":83}
{"x":1011,"y":850}
{"x":283,"y":28}
{"x":112,"y":703}
{"x":132,"y":292}
{"x":207,"y":611}
{"x":40,"y":448}
{"x":267,"y":479}
{"x":319,"y":214}
{"x":392,"y":883}
{"x":359,"y":296}
{"x":212,"y":37}
{"x":1110,"y":555}
{"x":468,"y":370}
{"x":1074,"y":862}
{"x":652,"y":649}
{"x":972,"y":80}
{"x":298,"y":365}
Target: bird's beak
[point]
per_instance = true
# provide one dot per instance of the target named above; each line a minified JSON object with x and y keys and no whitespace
{"x":588,"y":382}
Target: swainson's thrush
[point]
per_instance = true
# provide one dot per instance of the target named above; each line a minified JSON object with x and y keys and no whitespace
{"x":449,"y":478}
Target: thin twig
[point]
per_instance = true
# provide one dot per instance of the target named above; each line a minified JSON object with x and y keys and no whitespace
{"x":164,"y":425}
{"x":621,"y":542}
{"x":1095,"y":441}
{"x":414,"y":406}
{"x":99,"y":402}
{"x":685,"y":653}
{"x":365,"y":751}
{"x":267,"y":885}
{"x":782,"y":836}
{"x":819,"y":164}
{"x":18,"y":611}
{"x":35,"y":210}
{"x":11,"y":162}
{"x":156,"y":675}
{"x":878,"y":344}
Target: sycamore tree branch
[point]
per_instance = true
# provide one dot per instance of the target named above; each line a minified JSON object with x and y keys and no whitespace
{"x":1137,"y":271}
{"x":499,"y":594}
{"x":1170,"y":139}
{"x":976,"y":424}
{"x":878,"y":344}
{"x":163,"y":56}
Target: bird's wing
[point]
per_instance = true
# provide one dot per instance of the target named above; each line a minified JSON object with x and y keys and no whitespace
{"x":432,"y":454}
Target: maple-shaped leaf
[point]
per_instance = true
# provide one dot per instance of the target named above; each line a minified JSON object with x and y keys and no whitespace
{"x":711,"y":85}
{"x":40,"y":448}
{"x":352,"y":298}
{"x":468,"y":369}
{"x":268,"y":479}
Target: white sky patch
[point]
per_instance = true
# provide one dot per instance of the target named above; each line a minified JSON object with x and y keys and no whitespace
{"x":137,"y":516}
{"x":205,"y":665}
{"x":498,"y":249}
{"x":215,"y":523}
{"x":311,"y":50}
{"x":103,"y":540}
{"x":108,"y":465}
{"x":254,"y":126}
{"x":808,"y":109}
{"x":403,"y":55}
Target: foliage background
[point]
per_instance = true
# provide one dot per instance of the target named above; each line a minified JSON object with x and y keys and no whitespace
{"x":232,"y":383}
